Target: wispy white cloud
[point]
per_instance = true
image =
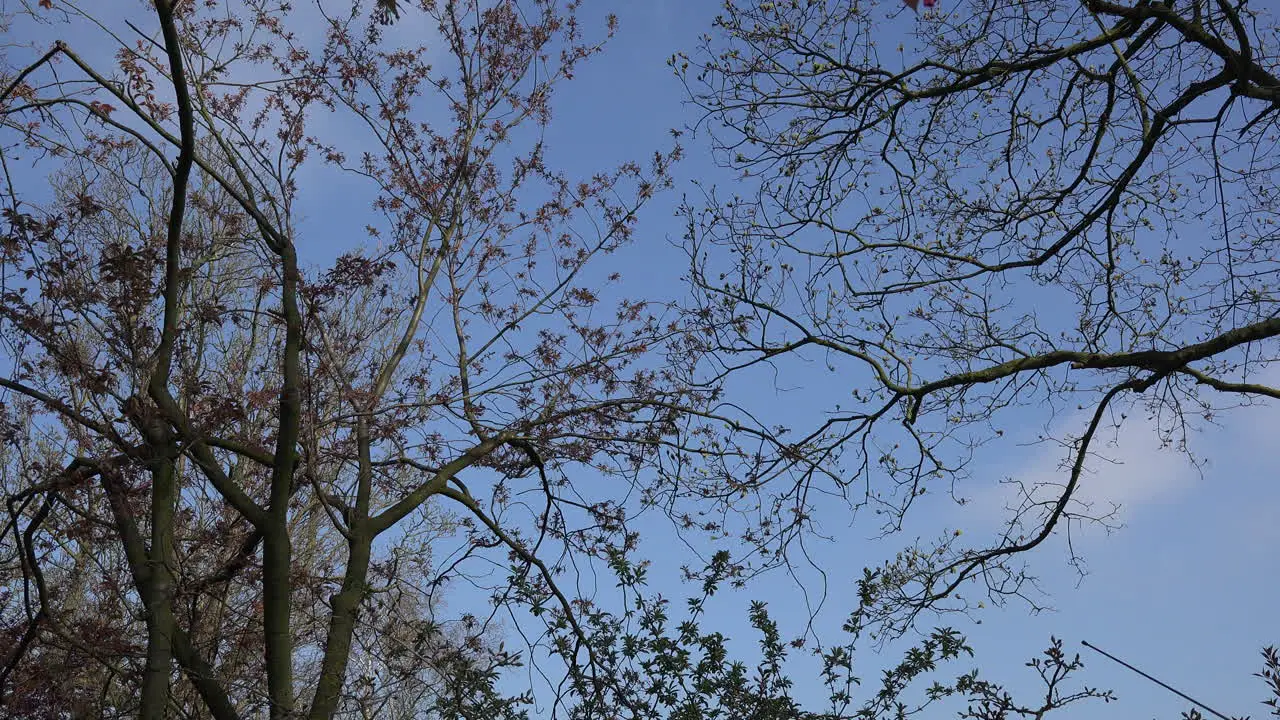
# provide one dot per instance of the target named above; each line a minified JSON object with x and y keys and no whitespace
{"x":1249,"y":458}
{"x":1131,"y":467}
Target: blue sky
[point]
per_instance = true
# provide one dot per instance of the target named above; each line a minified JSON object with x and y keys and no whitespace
{"x":1180,"y":591}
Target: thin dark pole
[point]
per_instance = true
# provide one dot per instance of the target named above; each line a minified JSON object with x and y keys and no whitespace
{"x":1175,"y":691}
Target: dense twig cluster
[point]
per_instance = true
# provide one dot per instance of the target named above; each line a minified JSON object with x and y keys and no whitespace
{"x":1024,"y":204}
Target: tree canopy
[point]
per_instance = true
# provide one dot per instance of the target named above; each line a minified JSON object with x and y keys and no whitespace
{"x":1022,"y":209}
{"x":245,"y":479}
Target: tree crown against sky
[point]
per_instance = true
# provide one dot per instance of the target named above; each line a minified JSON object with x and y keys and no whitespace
{"x":1020,"y":210}
{"x":249,"y":459}
{"x":221,"y":460}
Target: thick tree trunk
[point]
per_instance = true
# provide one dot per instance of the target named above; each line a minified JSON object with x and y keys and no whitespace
{"x":342,"y":625}
{"x":159,"y":592}
{"x":276,"y":605}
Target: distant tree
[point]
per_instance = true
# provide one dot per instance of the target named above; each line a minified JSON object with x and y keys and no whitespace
{"x":669,"y":666}
{"x":1023,"y":207}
